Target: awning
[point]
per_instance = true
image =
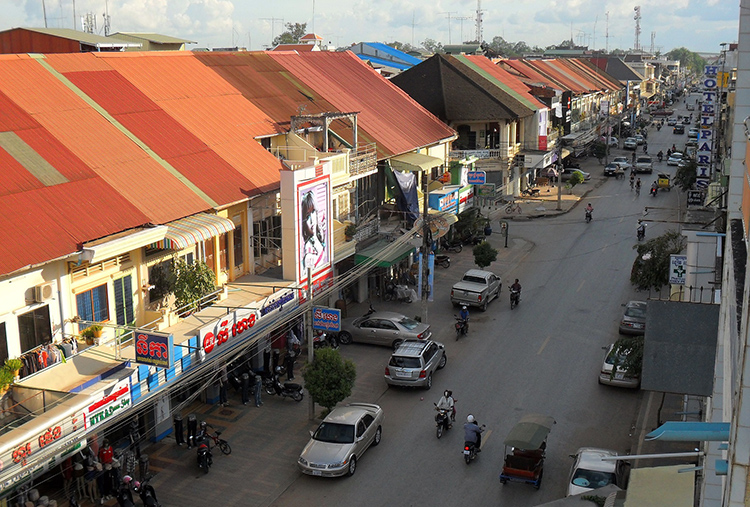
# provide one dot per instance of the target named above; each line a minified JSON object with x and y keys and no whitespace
{"x":194,"y":229}
{"x":679,"y":348}
{"x":415,"y":162}
{"x":385,"y":260}
{"x":663,"y":486}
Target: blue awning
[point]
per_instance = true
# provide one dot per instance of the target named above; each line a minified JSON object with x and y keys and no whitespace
{"x":679,"y":431}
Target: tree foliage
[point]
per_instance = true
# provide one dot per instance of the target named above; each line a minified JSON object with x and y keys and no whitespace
{"x":433,"y":46}
{"x":294,"y":32}
{"x":511,"y":49}
{"x":688,"y":59}
{"x":631,"y":348}
{"x":599,"y":150}
{"x":484,"y":254}
{"x":575,"y":179}
{"x":403,"y":46}
{"x":191,"y":283}
{"x":651,"y":266}
{"x":329,"y":378}
{"x":685,"y":176}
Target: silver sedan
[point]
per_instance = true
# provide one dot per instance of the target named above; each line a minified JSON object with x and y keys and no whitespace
{"x":383,"y":328}
{"x":341,"y":439}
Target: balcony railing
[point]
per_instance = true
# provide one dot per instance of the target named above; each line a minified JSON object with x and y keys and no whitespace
{"x":364,"y":160}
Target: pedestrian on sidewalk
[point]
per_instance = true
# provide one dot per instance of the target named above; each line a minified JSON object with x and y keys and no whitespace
{"x":293,"y":346}
{"x":257,"y":389}
{"x":223,"y":380}
{"x":246,"y":387}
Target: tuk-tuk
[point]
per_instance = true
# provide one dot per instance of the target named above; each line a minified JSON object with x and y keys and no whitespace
{"x":525,"y":449}
{"x":663,"y":182}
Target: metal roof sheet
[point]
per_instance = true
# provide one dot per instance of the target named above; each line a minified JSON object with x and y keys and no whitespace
{"x":544,"y":67}
{"x":517,"y":88}
{"x":574,"y":72}
{"x":156,"y":37}
{"x":396,"y":121}
{"x":383,"y":62}
{"x":524,"y":68}
{"x":395,"y":53}
{"x":85,"y":37}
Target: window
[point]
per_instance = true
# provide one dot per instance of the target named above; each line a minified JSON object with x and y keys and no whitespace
{"x":367,"y":419}
{"x":3,"y":343}
{"x":430,"y":352}
{"x":209,"y":246}
{"x":124,"y":300}
{"x":267,"y":235}
{"x":360,"y":429}
{"x":159,"y":275}
{"x":238,"y":258}
{"x":34,"y":328}
{"x":92,"y":305}
{"x":387,"y":324}
{"x":223,"y":254}
{"x":370,"y":324}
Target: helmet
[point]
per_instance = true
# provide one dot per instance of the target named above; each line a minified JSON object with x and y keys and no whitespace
{"x":278,"y":370}
{"x":203,"y":425}
{"x":127,"y":479}
{"x":446,"y":394}
{"x":136,"y":484}
{"x":463,"y":307}
{"x":470,"y":419}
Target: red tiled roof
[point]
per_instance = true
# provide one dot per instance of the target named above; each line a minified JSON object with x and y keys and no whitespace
{"x":392,"y":118}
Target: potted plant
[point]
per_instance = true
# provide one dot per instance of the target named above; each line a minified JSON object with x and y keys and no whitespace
{"x":91,"y":332}
{"x":349,"y":231}
{"x":6,"y":379}
{"x":13,"y":365}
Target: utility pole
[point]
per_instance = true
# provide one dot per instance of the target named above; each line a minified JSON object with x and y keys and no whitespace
{"x":44,"y":13}
{"x":309,"y":332}
{"x":425,"y":246}
{"x":462,"y":19}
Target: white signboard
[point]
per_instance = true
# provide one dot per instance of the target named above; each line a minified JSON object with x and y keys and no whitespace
{"x":113,"y":400}
{"x":677,"y":269}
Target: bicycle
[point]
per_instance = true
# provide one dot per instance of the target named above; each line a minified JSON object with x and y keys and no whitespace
{"x":513,"y":207}
{"x":222,"y":444}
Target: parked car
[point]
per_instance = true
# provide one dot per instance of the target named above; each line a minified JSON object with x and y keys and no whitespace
{"x":413,"y":363}
{"x":630,"y":143}
{"x":634,"y":318}
{"x":678,"y":129}
{"x":568,"y":172}
{"x":686,"y":120}
{"x":613,"y":141}
{"x":383,"y":328}
{"x":644,"y":164}
{"x":621,"y":377}
{"x":639,"y":139}
{"x":662,"y":112}
{"x":476,"y":288}
{"x":611,"y":169}
{"x":691,"y":143}
{"x":674,"y":158}
{"x":341,"y":439}
{"x":693,"y":133}
{"x":622,"y":162}
{"x":590,"y":472}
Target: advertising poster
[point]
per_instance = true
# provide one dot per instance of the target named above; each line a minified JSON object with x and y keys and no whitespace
{"x":313,"y":203}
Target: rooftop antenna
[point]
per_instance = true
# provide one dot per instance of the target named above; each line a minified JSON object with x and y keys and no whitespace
{"x":593,"y":37}
{"x":413,"y":15}
{"x":273,"y":25}
{"x":479,"y":21}
{"x":637,"y":19}
{"x":606,"y":36}
{"x":106,"y":19}
{"x":448,"y":15}
{"x":44,"y":13}
{"x":462,"y":19}
{"x":313,"y":17}
{"x":74,"y":14}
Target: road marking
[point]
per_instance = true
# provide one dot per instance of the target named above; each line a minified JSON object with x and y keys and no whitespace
{"x":486,"y":437}
{"x":580,"y":286}
{"x":543,"y":345}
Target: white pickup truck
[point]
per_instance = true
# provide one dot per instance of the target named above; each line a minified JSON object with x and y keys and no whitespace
{"x":476,"y":288}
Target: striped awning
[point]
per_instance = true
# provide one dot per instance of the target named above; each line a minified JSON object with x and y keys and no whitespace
{"x":193,"y":229}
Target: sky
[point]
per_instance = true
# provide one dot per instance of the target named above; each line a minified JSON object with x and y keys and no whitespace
{"x":700,"y":26}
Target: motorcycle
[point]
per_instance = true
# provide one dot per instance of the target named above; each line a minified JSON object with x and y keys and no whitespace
{"x":369,"y":311}
{"x":288,"y":389}
{"x":205,"y":456}
{"x":323,"y":340}
{"x":641,"y":232}
{"x":471,"y":450}
{"x":462,"y":327}
{"x":660,"y":156}
{"x":658,"y":127}
{"x":653,"y":191}
{"x":147,"y":493}
{"x":515,"y":298}
{"x":442,"y":420}
{"x":443,"y":260}
{"x":401,"y":293}
{"x":588,"y":216}
{"x":454,"y":246}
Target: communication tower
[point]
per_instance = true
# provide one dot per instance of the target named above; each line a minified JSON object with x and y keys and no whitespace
{"x":479,"y":21}
{"x":637,"y":19}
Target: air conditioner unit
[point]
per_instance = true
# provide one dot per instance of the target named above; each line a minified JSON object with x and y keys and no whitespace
{"x":43,"y":292}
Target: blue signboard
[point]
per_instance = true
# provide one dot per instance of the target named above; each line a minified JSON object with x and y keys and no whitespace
{"x":326,"y":319}
{"x":476,"y":177}
{"x":154,"y":349}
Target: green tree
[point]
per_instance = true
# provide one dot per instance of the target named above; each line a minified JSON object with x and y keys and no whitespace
{"x":688,"y":59}
{"x":294,"y":32}
{"x":329,"y":378}
{"x":191,"y":283}
{"x":600,"y":150}
{"x":484,"y":254}
{"x":651,"y":266}
{"x":402,"y":46}
{"x":631,"y":348}
{"x":685,"y":176}
{"x":575,"y":178}
{"x":432,"y":46}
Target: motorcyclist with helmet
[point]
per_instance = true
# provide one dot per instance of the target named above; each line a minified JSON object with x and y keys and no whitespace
{"x":473,"y":433}
{"x":448,"y":404}
{"x":464,"y":316}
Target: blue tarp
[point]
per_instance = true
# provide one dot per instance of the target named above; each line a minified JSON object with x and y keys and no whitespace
{"x":384,"y":63}
{"x":408,"y":200}
{"x":395,"y":54}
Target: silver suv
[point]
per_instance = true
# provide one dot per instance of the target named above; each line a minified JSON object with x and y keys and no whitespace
{"x":414,"y":362}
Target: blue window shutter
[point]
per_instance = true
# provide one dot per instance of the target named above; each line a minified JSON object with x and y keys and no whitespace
{"x":128,"y":297}
{"x":119,"y":302}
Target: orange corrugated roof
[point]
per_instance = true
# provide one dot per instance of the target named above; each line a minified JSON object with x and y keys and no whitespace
{"x":529,"y":72}
{"x":506,"y":78}
{"x":397,"y":122}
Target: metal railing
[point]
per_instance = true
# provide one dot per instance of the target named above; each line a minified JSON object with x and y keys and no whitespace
{"x":363,"y":160}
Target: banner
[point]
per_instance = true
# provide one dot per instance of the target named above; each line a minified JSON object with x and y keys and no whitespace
{"x":313,"y":198}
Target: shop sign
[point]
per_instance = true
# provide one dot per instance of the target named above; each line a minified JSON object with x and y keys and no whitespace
{"x":476,"y":177}
{"x":448,"y":201}
{"x":154,"y":349}
{"x":276,"y":303}
{"x":21,"y":454}
{"x":326,"y":319}
{"x":30,"y":472}
{"x":677,"y":269}
{"x":113,"y":400}
{"x":486,"y":190}
{"x":695,"y":198}
{"x":465,"y":198}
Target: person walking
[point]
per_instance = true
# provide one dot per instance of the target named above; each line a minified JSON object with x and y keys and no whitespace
{"x":292,"y":349}
{"x":246,"y":387}
{"x":223,"y":380}
{"x":257,"y":389}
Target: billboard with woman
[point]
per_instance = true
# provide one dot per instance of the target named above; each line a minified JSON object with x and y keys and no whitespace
{"x":313,"y":200}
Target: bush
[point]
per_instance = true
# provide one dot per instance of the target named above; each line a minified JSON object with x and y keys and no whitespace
{"x":192,"y":282}
{"x":329,"y":378}
{"x":484,"y":254}
{"x":575,"y":179}
{"x":652,"y":272}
